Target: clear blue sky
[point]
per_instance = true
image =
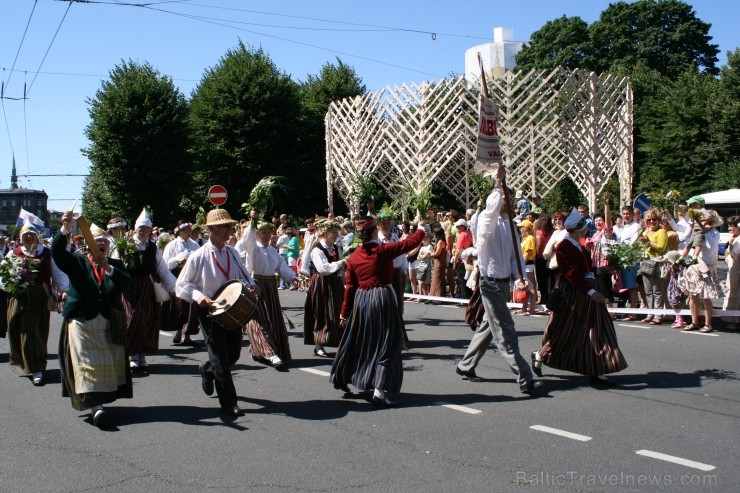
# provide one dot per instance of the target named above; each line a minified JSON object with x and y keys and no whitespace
{"x":388,"y":42}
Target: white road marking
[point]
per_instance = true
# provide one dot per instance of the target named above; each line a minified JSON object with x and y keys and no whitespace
{"x":464,"y":409}
{"x":676,"y":460}
{"x":168,"y":334}
{"x":645,"y":327}
{"x":315,"y":371}
{"x":562,"y":433}
{"x":710,"y":334}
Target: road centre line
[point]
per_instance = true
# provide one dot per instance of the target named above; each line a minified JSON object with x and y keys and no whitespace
{"x":315,"y":371}
{"x":456,"y":407}
{"x":562,"y":433}
{"x":676,"y":460}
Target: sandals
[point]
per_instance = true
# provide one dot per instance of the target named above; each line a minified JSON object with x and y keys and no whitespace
{"x":629,"y":318}
{"x":706,"y":329}
{"x":656,"y":321}
{"x":690,"y":327}
{"x":646,"y":320}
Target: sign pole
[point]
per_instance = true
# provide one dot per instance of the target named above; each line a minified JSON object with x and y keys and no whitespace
{"x":505,"y":189}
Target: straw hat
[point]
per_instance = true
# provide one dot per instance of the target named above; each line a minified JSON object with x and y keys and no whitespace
{"x":219,"y":217}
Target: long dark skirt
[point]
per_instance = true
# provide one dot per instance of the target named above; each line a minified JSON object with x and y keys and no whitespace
{"x":98,"y":348}
{"x":321,"y":311}
{"x":142,"y":316}
{"x":581,"y":338}
{"x":3,"y":310}
{"x":169,"y":315}
{"x":267,"y":333}
{"x":369,"y":355}
{"x":28,"y":329}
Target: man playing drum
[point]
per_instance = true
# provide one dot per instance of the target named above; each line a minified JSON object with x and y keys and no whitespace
{"x":206,"y":270}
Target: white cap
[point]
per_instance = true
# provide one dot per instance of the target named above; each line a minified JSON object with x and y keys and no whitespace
{"x":143,"y":220}
{"x":461,"y":222}
{"x":519,"y":194}
{"x":571,"y":222}
{"x":98,"y":233}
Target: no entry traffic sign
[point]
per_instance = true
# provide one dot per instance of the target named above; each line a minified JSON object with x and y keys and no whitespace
{"x":217,"y":195}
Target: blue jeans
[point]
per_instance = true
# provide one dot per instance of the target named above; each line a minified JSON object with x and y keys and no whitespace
{"x":494,"y":295}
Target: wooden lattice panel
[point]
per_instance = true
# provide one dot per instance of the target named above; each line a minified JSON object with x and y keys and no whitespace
{"x":552,"y":124}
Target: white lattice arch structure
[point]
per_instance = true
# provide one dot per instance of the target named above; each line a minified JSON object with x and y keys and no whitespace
{"x":552,"y":124}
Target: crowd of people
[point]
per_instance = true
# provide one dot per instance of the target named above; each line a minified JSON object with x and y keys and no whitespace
{"x":119,"y":288}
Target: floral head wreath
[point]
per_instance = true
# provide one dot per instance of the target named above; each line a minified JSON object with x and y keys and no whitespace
{"x":265,"y":226}
{"x":324,"y":225}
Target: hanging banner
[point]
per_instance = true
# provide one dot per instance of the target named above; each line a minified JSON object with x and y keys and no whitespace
{"x":489,"y":147}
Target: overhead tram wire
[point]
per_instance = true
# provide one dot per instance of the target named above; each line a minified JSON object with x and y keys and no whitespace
{"x":374,"y":28}
{"x":25,"y":31}
{"x":198,"y":18}
{"x":50,"y":45}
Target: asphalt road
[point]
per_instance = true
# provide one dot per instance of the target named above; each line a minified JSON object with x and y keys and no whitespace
{"x":679,"y":397}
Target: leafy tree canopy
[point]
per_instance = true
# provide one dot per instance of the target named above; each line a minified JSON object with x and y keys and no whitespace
{"x":138,"y":145}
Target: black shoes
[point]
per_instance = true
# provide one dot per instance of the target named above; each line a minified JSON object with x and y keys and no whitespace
{"x":100,"y":418}
{"x":319,"y":351}
{"x":206,"y":379}
{"x":531,"y":388}
{"x":536,"y":365}
{"x":232,"y":411}
{"x":602,"y":381}
{"x":178,"y":337}
{"x":384,"y":403}
{"x":470,"y":375}
{"x":343,"y":387}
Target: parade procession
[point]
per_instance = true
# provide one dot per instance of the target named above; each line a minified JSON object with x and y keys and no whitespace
{"x":282,"y":284}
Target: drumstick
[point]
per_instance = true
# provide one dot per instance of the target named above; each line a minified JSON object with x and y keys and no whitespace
{"x":72,"y":209}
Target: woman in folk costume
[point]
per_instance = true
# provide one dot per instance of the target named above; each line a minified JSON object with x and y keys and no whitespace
{"x":400,"y":267}
{"x":580,"y":337}
{"x":94,"y":370}
{"x":28,"y":310}
{"x":369,"y":354}
{"x":175,"y":254}
{"x":268,"y":337}
{"x":325,"y":291}
{"x":142,"y":310}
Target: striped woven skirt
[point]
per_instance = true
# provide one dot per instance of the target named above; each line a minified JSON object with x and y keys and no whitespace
{"x":581,"y":338}
{"x":369,"y":354}
{"x":142,"y":316}
{"x":94,"y":370}
{"x":267,"y":333}
{"x":28,"y":329}
{"x":321,"y":311}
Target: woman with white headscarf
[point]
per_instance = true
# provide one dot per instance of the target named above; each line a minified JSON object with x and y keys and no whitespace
{"x":580,"y":335}
{"x":28,"y":309}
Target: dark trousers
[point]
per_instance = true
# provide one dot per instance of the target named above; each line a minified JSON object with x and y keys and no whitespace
{"x":463,"y":291}
{"x":542,"y":275}
{"x":224,"y":347}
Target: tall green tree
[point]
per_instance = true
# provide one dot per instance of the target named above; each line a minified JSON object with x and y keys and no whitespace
{"x":333,"y":83}
{"x":562,"y":42}
{"x":138,"y":146}
{"x":678,"y":145}
{"x":665,"y":35}
{"x":726,"y":131}
{"x":244,"y":119}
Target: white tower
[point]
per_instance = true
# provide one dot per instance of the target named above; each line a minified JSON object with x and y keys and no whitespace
{"x":498,"y":57}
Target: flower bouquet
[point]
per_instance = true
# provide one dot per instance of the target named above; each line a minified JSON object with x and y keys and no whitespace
{"x":354,"y":245}
{"x":622,"y":256}
{"x":18,"y":274}
{"x":127,"y":251}
{"x":664,"y":200}
{"x":163,"y":240}
{"x":261,"y":197}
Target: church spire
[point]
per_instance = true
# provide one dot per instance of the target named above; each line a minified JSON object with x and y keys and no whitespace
{"x":13,"y":177}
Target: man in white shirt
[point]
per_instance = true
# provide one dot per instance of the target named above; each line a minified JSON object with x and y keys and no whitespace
{"x":206,"y":270}
{"x":175,"y":254}
{"x":628,"y":234}
{"x":497,"y":263}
